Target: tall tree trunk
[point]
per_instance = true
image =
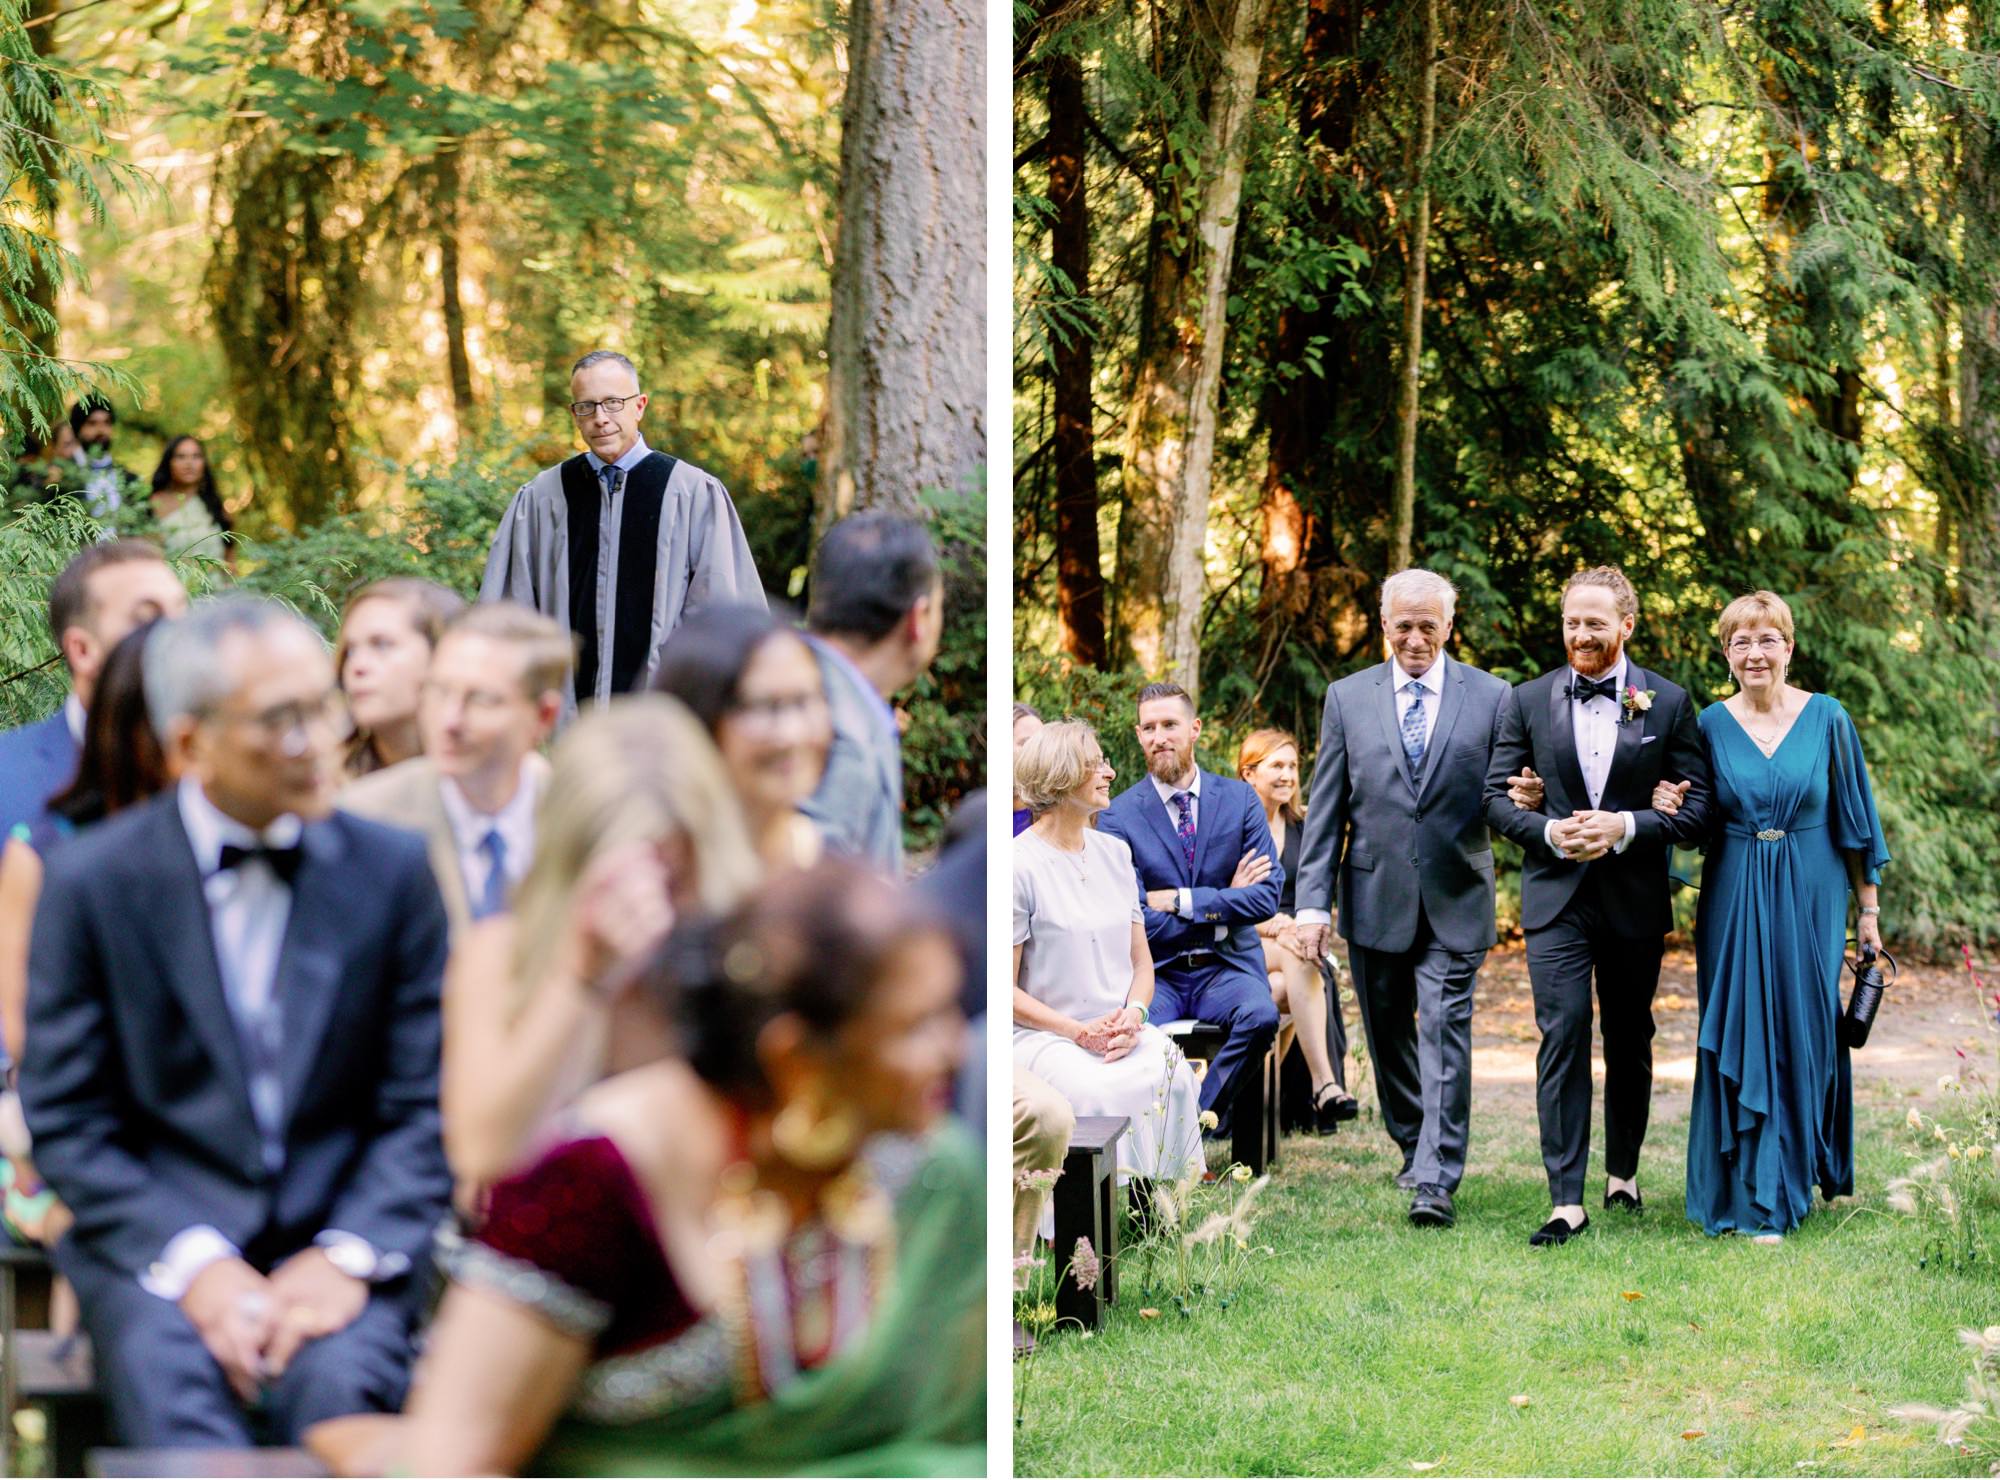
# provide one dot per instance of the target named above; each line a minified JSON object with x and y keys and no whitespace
{"x":906,"y":344}
{"x":1079,"y":564}
{"x":1171,"y":427}
{"x":1978,"y":514}
{"x":458,"y":362}
{"x":40,"y":289}
{"x":1417,"y":234}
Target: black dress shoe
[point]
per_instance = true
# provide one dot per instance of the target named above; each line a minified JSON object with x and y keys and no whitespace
{"x":1431,"y":1207}
{"x":1556,"y":1231}
{"x":1631,"y":1202}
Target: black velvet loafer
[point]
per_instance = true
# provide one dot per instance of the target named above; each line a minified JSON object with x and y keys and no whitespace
{"x":1631,"y":1202}
{"x":1555,"y":1232}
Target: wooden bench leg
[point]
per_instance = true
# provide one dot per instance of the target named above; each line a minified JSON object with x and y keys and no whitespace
{"x":1079,"y":1205}
{"x":1273,"y":1072}
{"x":1107,"y":1241}
{"x":9,"y":1367}
{"x":1249,"y":1117}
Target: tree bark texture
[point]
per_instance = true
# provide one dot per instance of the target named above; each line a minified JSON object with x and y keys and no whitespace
{"x":1417,"y":233}
{"x":1079,"y":564}
{"x":906,"y":345}
{"x":458,"y":363}
{"x":1171,"y":432}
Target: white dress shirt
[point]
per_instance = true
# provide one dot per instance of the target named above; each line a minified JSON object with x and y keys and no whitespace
{"x":249,"y":907}
{"x":73,"y":716}
{"x":1595,"y":724}
{"x":515,"y":822}
{"x":1185,"y":905}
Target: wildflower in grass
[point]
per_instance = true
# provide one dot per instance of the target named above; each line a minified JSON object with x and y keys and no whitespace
{"x":1038,"y":1181}
{"x":1209,"y":1120}
{"x":1914,"y":1119}
{"x":1240,"y":1172}
{"x":1084,"y":1267}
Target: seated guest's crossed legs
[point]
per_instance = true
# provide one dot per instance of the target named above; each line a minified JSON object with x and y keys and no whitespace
{"x":1232,"y":996}
{"x":166,"y":1391}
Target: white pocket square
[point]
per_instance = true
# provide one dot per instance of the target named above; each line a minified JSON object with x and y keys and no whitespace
{"x":1647,"y":739}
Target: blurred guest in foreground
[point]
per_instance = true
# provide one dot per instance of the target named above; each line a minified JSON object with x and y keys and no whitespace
{"x":1269,"y":761}
{"x":1027,"y":720}
{"x":638,"y":827}
{"x":387,"y":634}
{"x":876,"y":616}
{"x":754,"y":684}
{"x":234,"y":1086}
{"x":488,"y":702}
{"x":760,"y":1254}
{"x":1083,"y":971}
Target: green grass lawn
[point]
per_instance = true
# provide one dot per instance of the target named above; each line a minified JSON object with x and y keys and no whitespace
{"x":1365,"y":1346}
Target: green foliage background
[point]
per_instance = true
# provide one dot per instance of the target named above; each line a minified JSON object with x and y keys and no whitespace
{"x":1711,"y":296}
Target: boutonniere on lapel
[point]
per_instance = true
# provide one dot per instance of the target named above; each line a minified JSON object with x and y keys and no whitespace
{"x":1636,"y":701}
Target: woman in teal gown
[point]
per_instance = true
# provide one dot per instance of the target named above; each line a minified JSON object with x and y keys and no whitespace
{"x":1796,"y":832}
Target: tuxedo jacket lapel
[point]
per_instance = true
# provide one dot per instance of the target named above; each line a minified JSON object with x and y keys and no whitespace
{"x":1208,"y":817}
{"x":1562,"y":737}
{"x":1392,"y":732}
{"x":183,"y":941}
{"x":308,"y":979}
{"x":1625,"y":749}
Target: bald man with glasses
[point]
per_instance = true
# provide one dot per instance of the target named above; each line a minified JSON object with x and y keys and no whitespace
{"x":620,"y":543}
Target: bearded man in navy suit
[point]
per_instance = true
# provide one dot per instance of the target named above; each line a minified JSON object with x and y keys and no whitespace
{"x":1208,"y":873}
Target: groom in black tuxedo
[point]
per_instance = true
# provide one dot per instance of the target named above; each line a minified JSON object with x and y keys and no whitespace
{"x":1585,"y":745}
{"x":231,"y":1072}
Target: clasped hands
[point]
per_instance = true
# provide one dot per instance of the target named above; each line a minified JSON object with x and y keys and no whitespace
{"x":1589,"y":834}
{"x":1113,"y":1035}
{"x":253,"y":1324}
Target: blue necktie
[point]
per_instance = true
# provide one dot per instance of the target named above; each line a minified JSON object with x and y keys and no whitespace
{"x":494,"y":900}
{"x":1413,"y":725}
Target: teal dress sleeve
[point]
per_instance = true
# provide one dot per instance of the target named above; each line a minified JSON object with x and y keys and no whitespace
{"x":1856,"y":826}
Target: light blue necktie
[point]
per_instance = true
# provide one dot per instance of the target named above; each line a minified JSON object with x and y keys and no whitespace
{"x":1413,"y":725}
{"x":494,"y":900}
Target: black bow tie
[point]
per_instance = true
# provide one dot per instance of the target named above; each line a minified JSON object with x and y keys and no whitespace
{"x":284,"y":861}
{"x":1583,"y":690}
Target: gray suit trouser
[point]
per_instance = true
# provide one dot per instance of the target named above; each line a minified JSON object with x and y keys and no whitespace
{"x":1416,"y":1008}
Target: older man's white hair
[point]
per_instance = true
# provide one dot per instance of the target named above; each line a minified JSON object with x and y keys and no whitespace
{"x":1415,"y":584}
{"x":182,"y":670}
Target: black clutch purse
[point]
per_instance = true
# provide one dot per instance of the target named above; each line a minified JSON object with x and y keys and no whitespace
{"x":1866,"y":998}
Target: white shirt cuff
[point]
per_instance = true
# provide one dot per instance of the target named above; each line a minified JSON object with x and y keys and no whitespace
{"x":1185,"y":909}
{"x":380,"y":1266}
{"x":1312,"y":917}
{"x":186,"y":1255}
{"x":1548,"y":841}
{"x":1631,"y":828}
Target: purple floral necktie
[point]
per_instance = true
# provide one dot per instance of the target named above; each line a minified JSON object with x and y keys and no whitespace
{"x":1184,"y":804}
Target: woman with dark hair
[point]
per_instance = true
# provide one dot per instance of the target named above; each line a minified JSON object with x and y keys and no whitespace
{"x":755,"y":685}
{"x":121,"y":764}
{"x":760,"y":1254}
{"x":387,"y":633}
{"x":187,"y":511}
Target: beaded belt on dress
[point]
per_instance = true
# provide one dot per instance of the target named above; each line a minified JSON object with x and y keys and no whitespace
{"x":1768,"y":834}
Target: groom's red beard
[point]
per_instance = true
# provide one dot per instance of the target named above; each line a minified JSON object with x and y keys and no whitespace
{"x":1598,"y":659}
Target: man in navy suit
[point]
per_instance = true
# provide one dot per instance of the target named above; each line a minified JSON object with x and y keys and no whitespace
{"x":231,"y":1072}
{"x":1209,"y":873}
{"x":103,"y":594}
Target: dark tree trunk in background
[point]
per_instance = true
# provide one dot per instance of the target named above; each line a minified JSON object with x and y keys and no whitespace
{"x":458,"y":362}
{"x":1416,"y":265}
{"x":1079,"y":564}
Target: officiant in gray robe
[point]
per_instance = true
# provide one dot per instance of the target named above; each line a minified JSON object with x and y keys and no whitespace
{"x":620,"y":543}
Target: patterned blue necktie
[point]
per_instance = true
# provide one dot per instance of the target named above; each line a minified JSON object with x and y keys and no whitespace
{"x":494,"y":900}
{"x":1184,"y":804}
{"x":1413,"y":726}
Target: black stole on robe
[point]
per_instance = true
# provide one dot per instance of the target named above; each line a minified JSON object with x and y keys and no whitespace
{"x":631,"y":583}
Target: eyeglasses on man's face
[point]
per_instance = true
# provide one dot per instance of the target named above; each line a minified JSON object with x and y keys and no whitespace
{"x":612,"y":405}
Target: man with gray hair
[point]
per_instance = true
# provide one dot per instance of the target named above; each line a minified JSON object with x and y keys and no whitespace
{"x":1398,"y":819}
{"x":232,"y":1065}
{"x":619,"y":543}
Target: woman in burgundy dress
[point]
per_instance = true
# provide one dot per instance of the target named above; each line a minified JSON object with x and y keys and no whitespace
{"x":765,"y":1256}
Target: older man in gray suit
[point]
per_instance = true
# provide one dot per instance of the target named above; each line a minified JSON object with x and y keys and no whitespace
{"x":1398,"y":816}
{"x":875,"y":619}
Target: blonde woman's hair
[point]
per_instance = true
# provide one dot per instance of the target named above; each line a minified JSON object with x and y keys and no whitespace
{"x":642,"y":768}
{"x":1052,"y":763}
{"x":1766,"y":608}
{"x":1259,"y":746}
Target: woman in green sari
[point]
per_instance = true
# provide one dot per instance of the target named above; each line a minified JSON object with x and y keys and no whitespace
{"x":764,"y":1257}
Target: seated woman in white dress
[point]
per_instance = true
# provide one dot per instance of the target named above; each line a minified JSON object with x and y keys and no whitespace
{"x":1083,"y":972}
